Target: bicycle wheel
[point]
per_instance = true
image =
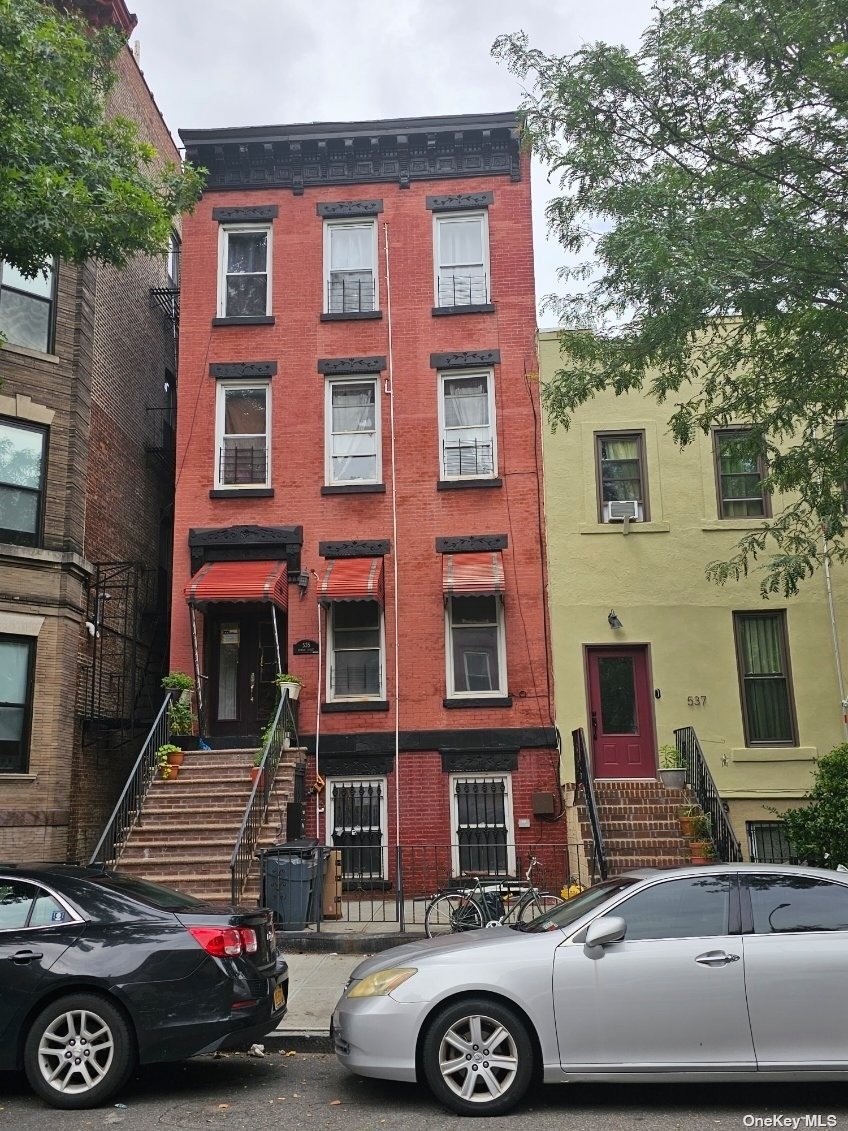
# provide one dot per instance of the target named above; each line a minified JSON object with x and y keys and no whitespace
{"x":451,"y":912}
{"x":542,"y":902}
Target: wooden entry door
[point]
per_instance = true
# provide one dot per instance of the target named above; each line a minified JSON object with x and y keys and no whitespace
{"x":621,"y":715}
{"x":242,"y":666}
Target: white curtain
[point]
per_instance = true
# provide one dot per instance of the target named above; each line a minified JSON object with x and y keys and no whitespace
{"x":461,"y":243}
{"x":354,"y":433}
{"x":351,"y":248}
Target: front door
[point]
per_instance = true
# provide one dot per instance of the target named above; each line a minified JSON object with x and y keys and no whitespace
{"x":242,"y":667}
{"x":620,"y":712}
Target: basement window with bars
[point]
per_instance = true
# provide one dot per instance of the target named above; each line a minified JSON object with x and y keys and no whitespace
{"x":768,"y":843}
{"x":357,"y":823}
{"x":482,"y":821}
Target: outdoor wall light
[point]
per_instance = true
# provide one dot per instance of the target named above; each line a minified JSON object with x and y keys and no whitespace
{"x":614,"y":622}
{"x":303,"y":582}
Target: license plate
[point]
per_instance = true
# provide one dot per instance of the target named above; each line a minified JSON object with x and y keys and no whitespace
{"x":279,"y":997}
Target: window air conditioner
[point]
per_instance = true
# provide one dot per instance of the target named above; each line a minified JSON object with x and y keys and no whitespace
{"x":622,"y":509}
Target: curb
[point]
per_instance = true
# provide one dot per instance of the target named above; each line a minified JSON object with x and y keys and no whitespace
{"x":299,"y":1040}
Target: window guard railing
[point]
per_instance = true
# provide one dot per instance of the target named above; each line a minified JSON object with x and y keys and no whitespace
{"x":467,"y":457}
{"x":700,"y":781}
{"x":127,"y":813}
{"x":241,"y":861}
{"x":239,"y":467}
{"x":583,"y":776}
{"x":350,"y":296}
{"x":463,"y":290}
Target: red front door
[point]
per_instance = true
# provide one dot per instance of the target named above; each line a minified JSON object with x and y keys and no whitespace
{"x":621,"y":718}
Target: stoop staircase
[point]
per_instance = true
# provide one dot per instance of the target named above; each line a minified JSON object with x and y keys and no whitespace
{"x":189,"y":824}
{"x":639,"y":824}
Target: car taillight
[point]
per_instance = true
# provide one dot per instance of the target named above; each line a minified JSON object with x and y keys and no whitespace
{"x":220,"y":942}
{"x":249,"y":940}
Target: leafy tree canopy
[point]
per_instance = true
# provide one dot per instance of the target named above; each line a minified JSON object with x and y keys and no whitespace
{"x":705,"y":198}
{"x":72,"y":183}
{"x":818,"y":833}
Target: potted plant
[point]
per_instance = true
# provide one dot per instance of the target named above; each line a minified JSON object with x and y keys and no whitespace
{"x":688,"y":817}
{"x":180,"y":717}
{"x":672,"y":768}
{"x":701,"y":848}
{"x":256,"y":768}
{"x":169,"y":758}
{"x":287,"y":681}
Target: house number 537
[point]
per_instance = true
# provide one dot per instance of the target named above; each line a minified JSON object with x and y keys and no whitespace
{"x":697,"y":700}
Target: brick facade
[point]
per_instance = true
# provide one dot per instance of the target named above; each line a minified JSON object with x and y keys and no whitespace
{"x":100,"y":394}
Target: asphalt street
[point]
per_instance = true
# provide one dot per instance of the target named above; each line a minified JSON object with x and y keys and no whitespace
{"x":309,"y":1090}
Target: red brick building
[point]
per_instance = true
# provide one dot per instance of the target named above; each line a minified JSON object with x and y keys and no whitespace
{"x":358,"y":476}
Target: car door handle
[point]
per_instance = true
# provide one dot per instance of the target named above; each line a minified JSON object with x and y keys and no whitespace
{"x":716,"y":958}
{"x":20,"y":957}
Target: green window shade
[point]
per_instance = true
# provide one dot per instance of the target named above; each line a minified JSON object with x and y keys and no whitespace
{"x":764,"y":679}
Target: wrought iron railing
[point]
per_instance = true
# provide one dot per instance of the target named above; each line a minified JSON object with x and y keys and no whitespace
{"x":350,"y":296}
{"x":583,"y":775}
{"x":700,"y":781}
{"x":242,"y":466}
{"x":467,"y":457}
{"x":463,"y":290}
{"x":127,"y":813}
{"x":276,"y":741}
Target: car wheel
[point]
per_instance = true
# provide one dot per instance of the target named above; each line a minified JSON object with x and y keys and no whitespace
{"x":543,"y":903}
{"x":478,"y":1057}
{"x":79,"y":1052}
{"x":452,"y":912}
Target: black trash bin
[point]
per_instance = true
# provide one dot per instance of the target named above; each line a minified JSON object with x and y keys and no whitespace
{"x":289,"y":873}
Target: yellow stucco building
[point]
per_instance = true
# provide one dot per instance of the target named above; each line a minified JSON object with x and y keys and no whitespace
{"x":643,"y":644}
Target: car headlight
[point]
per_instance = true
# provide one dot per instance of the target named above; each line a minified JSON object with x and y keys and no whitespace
{"x":382,"y":982}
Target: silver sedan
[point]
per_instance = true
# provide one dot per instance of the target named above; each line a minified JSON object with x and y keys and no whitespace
{"x":728,"y":972}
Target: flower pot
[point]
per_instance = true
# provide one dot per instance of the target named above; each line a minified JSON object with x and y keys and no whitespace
{"x":673,"y":779}
{"x":255,"y":772}
{"x":292,"y":688}
{"x":688,"y":826}
{"x":172,"y":772}
{"x":701,"y":852}
{"x":176,"y":759}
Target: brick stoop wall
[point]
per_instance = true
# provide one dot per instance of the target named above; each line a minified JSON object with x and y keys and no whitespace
{"x":189,"y":824}
{"x":639,"y":824}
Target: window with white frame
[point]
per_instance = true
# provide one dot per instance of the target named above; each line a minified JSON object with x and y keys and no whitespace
{"x":356,"y":824}
{"x":355,"y":652}
{"x":476,"y":651}
{"x":350,"y":261}
{"x":462,"y":259}
{"x":244,"y":285}
{"x":482,"y":824}
{"x":352,"y":431}
{"x":467,"y":425}
{"x":243,"y":435}
{"x":26,"y":307}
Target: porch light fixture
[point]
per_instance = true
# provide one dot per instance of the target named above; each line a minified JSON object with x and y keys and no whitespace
{"x":614,"y":622}
{"x":303,"y":582}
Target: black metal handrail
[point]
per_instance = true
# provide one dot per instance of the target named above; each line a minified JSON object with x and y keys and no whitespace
{"x":241,"y":861}
{"x":700,"y":781}
{"x":127,"y":813}
{"x":583,"y":775}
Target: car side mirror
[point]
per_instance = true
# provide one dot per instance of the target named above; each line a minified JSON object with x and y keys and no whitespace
{"x":608,"y":929}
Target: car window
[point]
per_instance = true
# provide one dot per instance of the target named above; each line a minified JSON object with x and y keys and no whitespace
{"x":16,"y":899}
{"x":694,"y":907}
{"x":47,"y":911}
{"x":797,"y":903}
{"x":154,"y":895}
{"x":567,"y":913}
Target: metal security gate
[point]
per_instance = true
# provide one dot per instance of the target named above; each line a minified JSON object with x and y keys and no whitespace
{"x":481,"y":825}
{"x":357,"y":827}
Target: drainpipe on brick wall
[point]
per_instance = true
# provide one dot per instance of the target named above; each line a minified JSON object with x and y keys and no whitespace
{"x":389,"y":388}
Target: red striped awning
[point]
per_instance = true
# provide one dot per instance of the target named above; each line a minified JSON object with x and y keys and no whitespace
{"x":353,"y":579}
{"x":477,"y":574}
{"x":239,"y":581}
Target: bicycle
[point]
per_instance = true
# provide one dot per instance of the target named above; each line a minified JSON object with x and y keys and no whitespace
{"x":483,"y":904}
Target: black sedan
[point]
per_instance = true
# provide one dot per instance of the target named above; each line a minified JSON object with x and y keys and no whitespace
{"x":100,"y":972}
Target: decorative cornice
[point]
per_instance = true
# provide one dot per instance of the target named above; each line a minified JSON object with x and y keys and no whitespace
{"x":232,"y":369}
{"x":246,"y":214}
{"x":342,"y":208}
{"x":339,"y":766}
{"x":460,"y":201}
{"x":344,"y":365}
{"x":355,"y":548}
{"x":245,"y":543}
{"x":464,"y":359}
{"x":472,"y":544}
{"x":326,"y":153}
{"x":483,"y":762}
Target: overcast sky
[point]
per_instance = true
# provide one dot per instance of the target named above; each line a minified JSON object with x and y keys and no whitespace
{"x":215,"y":63}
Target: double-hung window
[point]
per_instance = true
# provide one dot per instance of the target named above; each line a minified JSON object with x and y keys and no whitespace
{"x":467,"y":425}
{"x":244,"y":286}
{"x":462,"y":259}
{"x":17,"y":655}
{"x":243,"y":435}
{"x":475,"y":646}
{"x":621,"y":477}
{"x":352,"y":431}
{"x":762,"y":655}
{"x":350,"y":261}
{"x":22,"y":464}
{"x":482,"y":823}
{"x":740,"y":472}
{"x":26,"y":307}
{"x":355,"y":654}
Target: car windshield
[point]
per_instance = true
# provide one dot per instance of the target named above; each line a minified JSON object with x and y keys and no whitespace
{"x":154,"y":895}
{"x":572,"y":910}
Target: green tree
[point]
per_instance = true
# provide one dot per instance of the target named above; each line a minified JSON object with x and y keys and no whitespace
{"x":74,"y":184}
{"x":704,"y":200}
{"x":818,"y":833}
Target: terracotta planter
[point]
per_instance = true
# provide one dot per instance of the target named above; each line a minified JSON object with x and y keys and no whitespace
{"x":176,"y":759}
{"x":688,"y":826}
{"x":173,"y":773}
{"x":701,"y":852}
{"x":255,"y":772}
